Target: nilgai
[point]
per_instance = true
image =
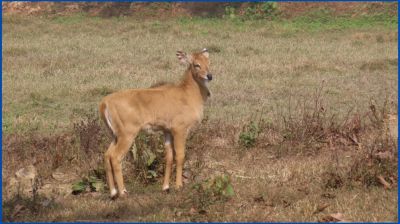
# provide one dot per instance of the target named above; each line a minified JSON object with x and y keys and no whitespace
{"x":171,"y":108}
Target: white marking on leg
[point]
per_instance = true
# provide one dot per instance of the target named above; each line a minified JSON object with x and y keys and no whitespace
{"x":113,"y":192}
{"x":108,"y":119}
{"x":166,"y":187}
{"x":168,"y":139}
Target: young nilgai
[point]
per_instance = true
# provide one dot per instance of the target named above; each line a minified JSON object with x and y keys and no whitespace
{"x":172,"y":109}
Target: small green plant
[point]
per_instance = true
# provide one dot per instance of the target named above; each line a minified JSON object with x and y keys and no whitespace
{"x":269,"y":8}
{"x":261,"y":11}
{"x":88,"y":184}
{"x":229,"y":12}
{"x":251,"y":13}
{"x":213,"y":190}
{"x":248,"y":136}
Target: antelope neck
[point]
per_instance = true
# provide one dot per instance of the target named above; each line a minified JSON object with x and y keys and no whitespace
{"x":189,"y":83}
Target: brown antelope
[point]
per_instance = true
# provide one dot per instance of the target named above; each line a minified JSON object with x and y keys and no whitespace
{"x":173,"y":109}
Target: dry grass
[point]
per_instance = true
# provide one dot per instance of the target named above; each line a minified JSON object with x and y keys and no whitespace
{"x":256,"y":64}
{"x":267,"y":188}
{"x":308,"y":88}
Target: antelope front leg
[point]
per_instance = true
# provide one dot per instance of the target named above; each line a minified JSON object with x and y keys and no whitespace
{"x":168,"y":160}
{"x":179,"y":145}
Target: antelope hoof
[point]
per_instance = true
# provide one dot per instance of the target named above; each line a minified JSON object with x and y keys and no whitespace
{"x":166,"y":189}
{"x":114,"y":194}
{"x":179,"y":187}
{"x":123,"y":194}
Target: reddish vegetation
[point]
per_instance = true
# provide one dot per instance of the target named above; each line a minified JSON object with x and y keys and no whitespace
{"x":155,"y":9}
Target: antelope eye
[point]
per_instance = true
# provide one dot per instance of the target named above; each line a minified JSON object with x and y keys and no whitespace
{"x":196,"y":65}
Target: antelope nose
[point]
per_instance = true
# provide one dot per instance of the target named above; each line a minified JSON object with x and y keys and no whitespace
{"x":209,"y":76}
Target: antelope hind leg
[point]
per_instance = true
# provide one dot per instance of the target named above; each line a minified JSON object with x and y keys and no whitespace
{"x":179,"y":145}
{"x":168,"y":160}
{"x":109,"y":170}
{"x":121,"y":148}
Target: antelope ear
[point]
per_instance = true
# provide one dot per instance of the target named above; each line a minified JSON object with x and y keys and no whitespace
{"x":183,"y":58}
{"x":205,"y":52}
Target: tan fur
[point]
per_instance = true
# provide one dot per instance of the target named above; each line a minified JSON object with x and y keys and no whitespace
{"x":173,"y":109}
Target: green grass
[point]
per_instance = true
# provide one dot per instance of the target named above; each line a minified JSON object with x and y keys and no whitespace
{"x":314,"y":22}
{"x":325,"y":20}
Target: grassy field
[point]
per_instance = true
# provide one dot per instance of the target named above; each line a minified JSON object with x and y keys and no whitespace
{"x":278,"y":73}
{"x":55,"y":70}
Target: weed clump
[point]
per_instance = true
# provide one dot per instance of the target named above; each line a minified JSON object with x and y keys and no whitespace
{"x":91,"y":183}
{"x":375,"y":164}
{"x":210,"y":191}
{"x":308,"y":121}
{"x":89,"y":132}
{"x":380,"y":160}
{"x":248,"y":136}
{"x":378,"y":166}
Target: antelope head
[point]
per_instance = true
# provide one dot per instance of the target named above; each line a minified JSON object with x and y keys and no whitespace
{"x":198,"y":64}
